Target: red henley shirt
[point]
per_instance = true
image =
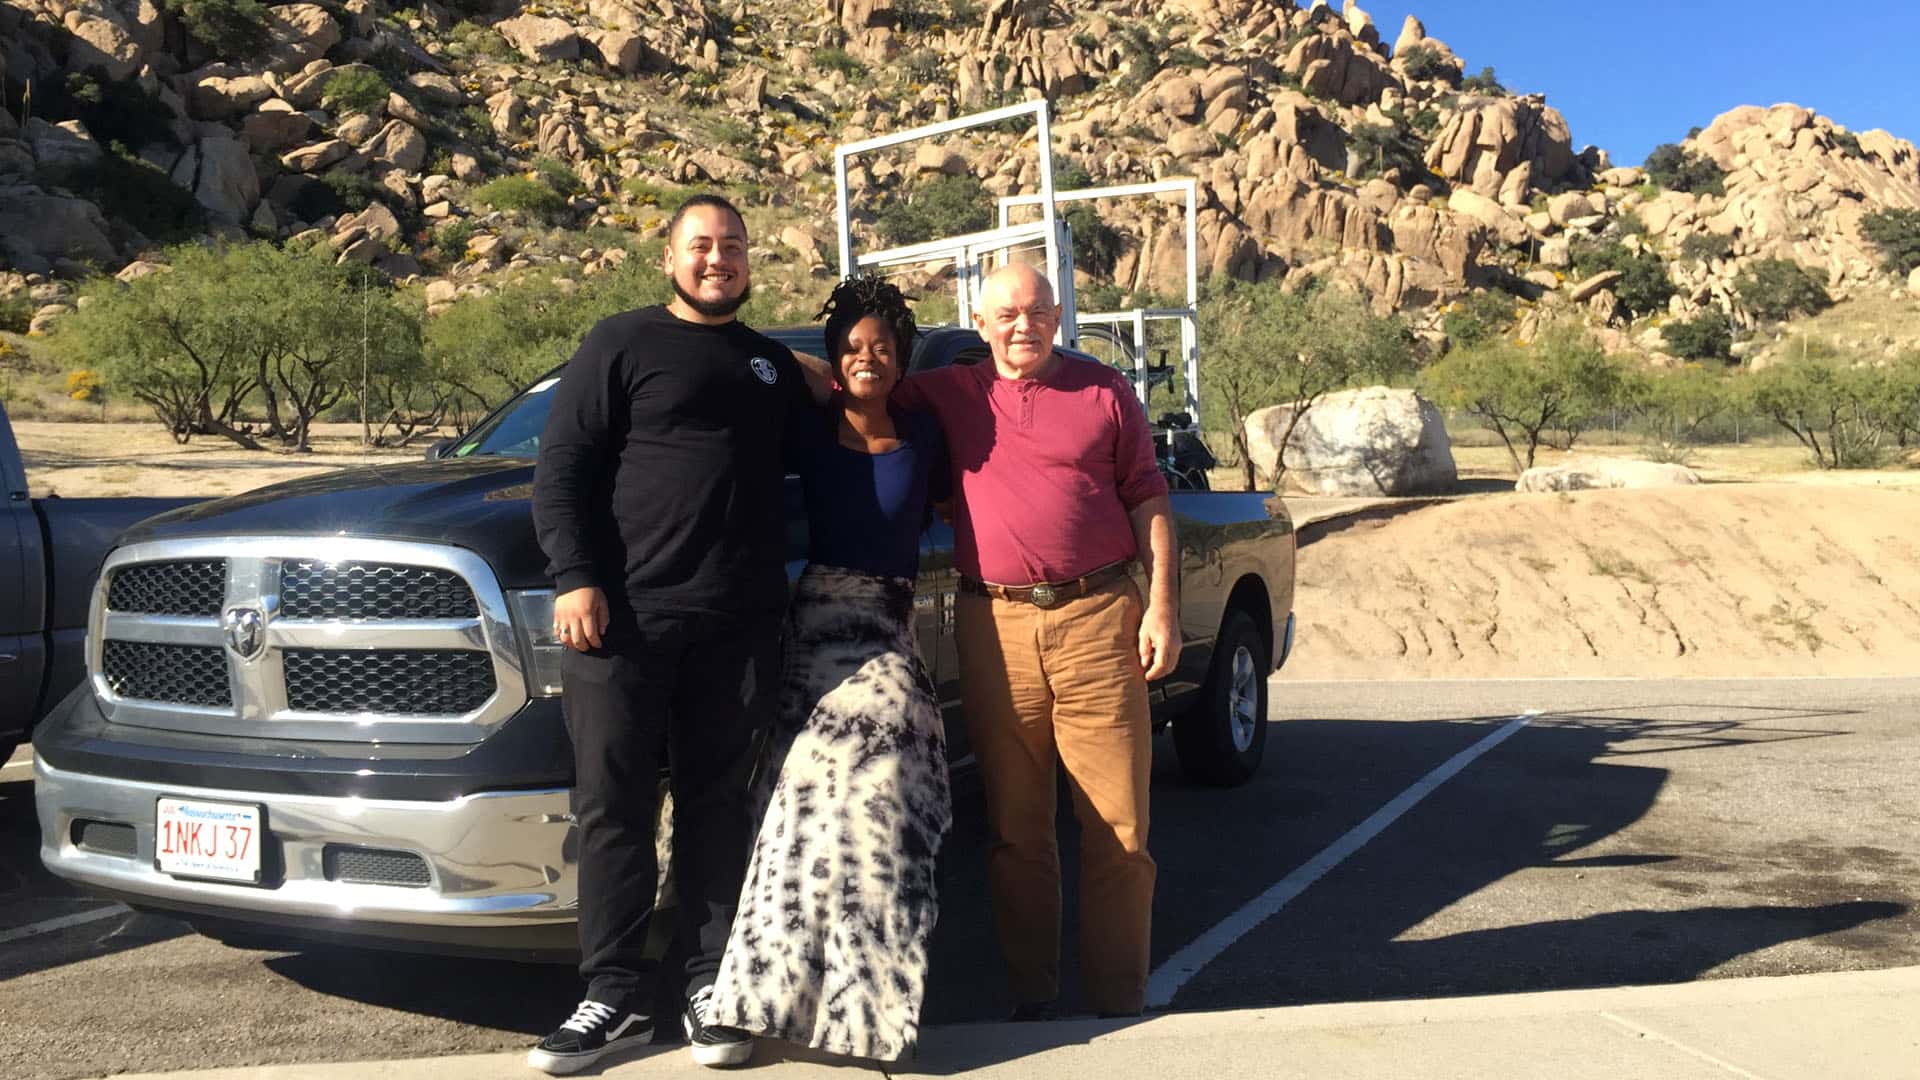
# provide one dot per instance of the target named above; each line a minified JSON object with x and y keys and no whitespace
{"x":1047,"y":470}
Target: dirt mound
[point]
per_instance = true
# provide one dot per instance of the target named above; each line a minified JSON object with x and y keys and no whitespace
{"x":1735,"y":579}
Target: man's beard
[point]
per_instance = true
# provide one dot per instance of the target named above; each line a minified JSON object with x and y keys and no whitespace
{"x":713,"y":309}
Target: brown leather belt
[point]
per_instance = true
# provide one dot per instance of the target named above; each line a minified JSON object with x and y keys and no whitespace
{"x":1045,"y":594}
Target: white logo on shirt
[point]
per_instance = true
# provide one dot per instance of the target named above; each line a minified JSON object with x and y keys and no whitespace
{"x":764,"y":369}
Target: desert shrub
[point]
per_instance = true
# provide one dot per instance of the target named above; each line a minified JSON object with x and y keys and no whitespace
{"x":921,"y":16}
{"x":450,"y":240}
{"x":1834,"y":409}
{"x":1425,"y":122}
{"x":1266,"y":346}
{"x":1377,"y":148}
{"x":1704,"y":337}
{"x":237,"y":319}
{"x":832,"y":59}
{"x":1423,"y":62}
{"x":231,"y":28}
{"x":16,"y":314}
{"x":1096,"y":244}
{"x":1484,"y":83}
{"x":1848,"y":144}
{"x":112,"y":111}
{"x":133,"y":194}
{"x":518,"y":194}
{"x":1643,"y":287}
{"x":1899,"y":400}
{"x":557,"y":175}
{"x":924,"y":66}
{"x":1706,"y":247}
{"x":486,"y":347}
{"x":665,"y":197}
{"x":1562,"y":383}
{"x":944,"y":206}
{"x":355,"y":192}
{"x":1676,"y":404}
{"x":471,"y":39}
{"x":354,"y":90}
{"x":1896,"y":232}
{"x":1678,"y":169}
{"x":1780,"y":289}
{"x":85,"y":384}
{"x":1185,"y":57}
{"x":1479,"y":318}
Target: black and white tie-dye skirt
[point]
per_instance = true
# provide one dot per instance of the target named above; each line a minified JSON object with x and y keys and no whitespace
{"x":829,"y":948}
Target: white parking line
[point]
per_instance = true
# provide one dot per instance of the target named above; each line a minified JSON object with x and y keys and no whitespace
{"x":1182,"y":966}
{"x":48,"y":926}
{"x":19,"y":766}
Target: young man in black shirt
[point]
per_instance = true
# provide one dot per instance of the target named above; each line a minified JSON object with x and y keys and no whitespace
{"x":658,"y":501}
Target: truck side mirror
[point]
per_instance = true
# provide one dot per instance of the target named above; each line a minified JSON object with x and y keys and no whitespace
{"x":439,"y":447}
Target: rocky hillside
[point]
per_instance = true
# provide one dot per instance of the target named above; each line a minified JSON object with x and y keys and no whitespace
{"x":446,"y":144}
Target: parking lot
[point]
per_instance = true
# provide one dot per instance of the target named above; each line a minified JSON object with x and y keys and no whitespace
{"x":1404,"y":840}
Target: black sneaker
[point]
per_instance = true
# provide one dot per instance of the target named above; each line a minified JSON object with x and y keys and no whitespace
{"x":713,"y":1046}
{"x":595,"y":1030}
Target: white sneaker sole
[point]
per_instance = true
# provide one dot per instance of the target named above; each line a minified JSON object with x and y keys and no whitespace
{"x":566,"y":1064}
{"x":718,"y":1056}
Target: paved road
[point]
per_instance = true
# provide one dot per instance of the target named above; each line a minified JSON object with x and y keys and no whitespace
{"x":1404,"y":840}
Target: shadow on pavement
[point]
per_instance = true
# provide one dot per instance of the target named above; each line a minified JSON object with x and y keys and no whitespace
{"x":1560,"y":785}
{"x":1541,"y":799}
{"x":29,"y":895}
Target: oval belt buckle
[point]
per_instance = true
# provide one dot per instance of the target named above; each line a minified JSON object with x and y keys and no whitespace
{"x":1043,"y":596}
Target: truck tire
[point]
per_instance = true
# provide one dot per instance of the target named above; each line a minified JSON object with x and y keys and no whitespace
{"x":1221,"y":739}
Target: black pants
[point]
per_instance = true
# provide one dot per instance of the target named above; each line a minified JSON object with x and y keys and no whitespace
{"x":692,"y":693}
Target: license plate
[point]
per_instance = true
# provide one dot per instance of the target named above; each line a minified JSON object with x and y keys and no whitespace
{"x":207,"y":840}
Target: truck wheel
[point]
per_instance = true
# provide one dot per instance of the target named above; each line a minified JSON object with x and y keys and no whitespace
{"x":1222,"y":738}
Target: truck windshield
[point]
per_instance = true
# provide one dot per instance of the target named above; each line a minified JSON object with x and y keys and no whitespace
{"x":514,"y":431}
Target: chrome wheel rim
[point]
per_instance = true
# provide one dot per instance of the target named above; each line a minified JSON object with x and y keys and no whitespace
{"x":1243,"y":699}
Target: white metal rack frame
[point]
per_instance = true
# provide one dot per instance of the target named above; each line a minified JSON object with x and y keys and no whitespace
{"x":1137,"y":318}
{"x":969,"y":252}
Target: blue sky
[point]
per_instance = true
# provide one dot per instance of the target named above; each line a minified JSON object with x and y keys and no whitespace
{"x":1632,"y":74}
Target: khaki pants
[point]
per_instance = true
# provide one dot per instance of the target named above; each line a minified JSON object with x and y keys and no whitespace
{"x":1066,"y":683}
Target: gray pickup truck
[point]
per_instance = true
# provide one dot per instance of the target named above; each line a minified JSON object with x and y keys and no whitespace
{"x":329,"y":708}
{"x":50,"y":551}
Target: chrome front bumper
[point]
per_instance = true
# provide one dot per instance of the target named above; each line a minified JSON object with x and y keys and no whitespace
{"x":494,"y":859}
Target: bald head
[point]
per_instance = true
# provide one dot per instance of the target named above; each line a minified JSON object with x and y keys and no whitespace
{"x":1018,"y":317}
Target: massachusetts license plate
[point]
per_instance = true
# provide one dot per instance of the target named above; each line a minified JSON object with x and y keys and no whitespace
{"x":207,"y":840}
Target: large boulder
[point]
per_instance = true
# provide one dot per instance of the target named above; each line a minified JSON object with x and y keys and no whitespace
{"x":1480,"y":145}
{"x":66,"y":145}
{"x":541,"y":39}
{"x":399,"y":143}
{"x":275,"y":128}
{"x":1371,"y":441}
{"x":220,"y":174}
{"x":222,"y":91}
{"x":300,"y":34}
{"x":42,"y":228}
{"x":1583,"y":474}
{"x":101,"y":42}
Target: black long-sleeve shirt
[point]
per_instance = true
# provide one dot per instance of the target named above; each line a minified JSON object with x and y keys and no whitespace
{"x":660,"y":468}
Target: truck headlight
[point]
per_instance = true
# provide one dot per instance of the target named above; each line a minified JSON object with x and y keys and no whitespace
{"x":533,"y":623}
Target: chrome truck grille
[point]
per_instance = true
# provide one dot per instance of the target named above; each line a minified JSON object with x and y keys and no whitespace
{"x":305,"y":638}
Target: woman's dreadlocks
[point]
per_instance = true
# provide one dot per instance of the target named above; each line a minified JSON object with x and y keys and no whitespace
{"x":858,"y":297}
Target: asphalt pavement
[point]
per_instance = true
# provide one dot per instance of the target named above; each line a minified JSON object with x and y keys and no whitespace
{"x":1431,"y":874}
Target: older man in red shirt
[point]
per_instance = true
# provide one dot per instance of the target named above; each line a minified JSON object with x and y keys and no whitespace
{"x":1058,"y":495}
